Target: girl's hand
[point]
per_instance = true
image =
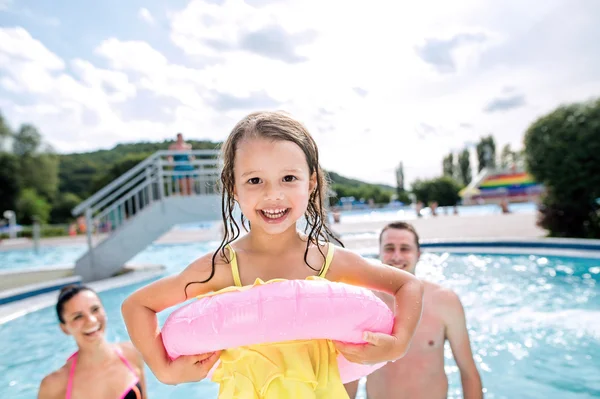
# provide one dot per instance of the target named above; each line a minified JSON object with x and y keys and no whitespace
{"x":191,"y":368}
{"x":378,"y":349}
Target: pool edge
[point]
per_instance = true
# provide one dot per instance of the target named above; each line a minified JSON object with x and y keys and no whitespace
{"x":22,"y":307}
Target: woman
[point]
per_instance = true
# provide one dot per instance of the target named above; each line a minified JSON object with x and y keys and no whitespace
{"x":98,"y":369}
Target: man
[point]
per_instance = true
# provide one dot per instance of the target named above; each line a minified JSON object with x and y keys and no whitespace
{"x":420,"y":373}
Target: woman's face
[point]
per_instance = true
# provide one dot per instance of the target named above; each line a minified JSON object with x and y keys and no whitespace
{"x":84,"y":318}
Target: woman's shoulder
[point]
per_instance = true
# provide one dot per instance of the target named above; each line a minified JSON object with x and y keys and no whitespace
{"x":54,"y":385}
{"x":131,"y":353}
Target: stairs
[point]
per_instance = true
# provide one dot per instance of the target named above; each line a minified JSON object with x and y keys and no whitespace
{"x":144,"y":203}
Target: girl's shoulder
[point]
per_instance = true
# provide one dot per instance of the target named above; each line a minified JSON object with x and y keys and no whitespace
{"x":213,"y":269}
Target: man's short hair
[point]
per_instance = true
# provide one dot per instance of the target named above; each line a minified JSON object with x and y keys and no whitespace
{"x":401,"y":226}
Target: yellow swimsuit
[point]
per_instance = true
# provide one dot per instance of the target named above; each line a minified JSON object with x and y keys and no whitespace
{"x":303,"y":369}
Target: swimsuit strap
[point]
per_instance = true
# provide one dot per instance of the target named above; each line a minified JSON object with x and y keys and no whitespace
{"x":328,"y":258}
{"x":124,"y":359}
{"x":235,"y":272}
{"x":71,"y":373}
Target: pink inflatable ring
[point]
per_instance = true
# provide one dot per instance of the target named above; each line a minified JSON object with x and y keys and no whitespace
{"x":276,"y":311}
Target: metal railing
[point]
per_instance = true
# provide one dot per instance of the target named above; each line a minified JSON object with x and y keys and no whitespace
{"x":164,"y":174}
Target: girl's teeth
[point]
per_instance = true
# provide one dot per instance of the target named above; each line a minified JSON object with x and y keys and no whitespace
{"x":274,"y":214}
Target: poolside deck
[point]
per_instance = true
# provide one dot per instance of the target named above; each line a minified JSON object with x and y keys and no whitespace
{"x":440,"y":227}
{"x":452,"y":227}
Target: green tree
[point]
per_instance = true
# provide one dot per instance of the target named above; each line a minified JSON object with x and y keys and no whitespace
{"x":444,"y":190}
{"x":486,"y":153}
{"x":400,"y":180}
{"x":26,"y":141}
{"x":5,"y":132}
{"x":10,"y":183}
{"x":448,"y":165}
{"x":40,"y":172}
{"x":61,"y":208}
{"x":508,"y":157}
{"x":464,"y":167}
{"x":562,"y":152}
{"x":30,"y":205}
{"x":117,"y":169}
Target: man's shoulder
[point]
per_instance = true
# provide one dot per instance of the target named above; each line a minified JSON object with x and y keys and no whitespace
{"x":442,"y":297}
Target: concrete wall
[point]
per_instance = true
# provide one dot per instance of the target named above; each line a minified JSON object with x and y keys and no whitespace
{"x":10,"y":279}
{"x":109,"y":256}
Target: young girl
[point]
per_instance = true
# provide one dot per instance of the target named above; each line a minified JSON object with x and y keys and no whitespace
{"x":271,"y":170}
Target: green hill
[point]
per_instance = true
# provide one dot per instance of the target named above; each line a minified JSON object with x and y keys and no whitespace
{"x":84,"y":173}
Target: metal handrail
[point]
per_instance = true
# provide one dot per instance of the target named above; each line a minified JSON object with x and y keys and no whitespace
{"x":80,"y":209}
{"x":145,"y":183}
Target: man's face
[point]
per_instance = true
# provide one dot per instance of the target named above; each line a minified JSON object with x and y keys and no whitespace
{"x":398,"y":248}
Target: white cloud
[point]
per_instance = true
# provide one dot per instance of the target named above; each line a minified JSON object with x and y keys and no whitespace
{"x":376,"y":83}
{"x":146,"y":15}
{"x":5,"y":4}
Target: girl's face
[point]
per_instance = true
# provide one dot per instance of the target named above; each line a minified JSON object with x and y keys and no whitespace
{"x":85,"y":318}
{"x":272,"y":183}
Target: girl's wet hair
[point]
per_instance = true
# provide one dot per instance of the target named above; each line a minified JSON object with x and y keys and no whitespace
{"x":66,"y":293}
{"x":277,"y":126}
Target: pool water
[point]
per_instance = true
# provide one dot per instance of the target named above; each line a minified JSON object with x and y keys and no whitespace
{"x":46,"y":256}
{"x":67,"y":255}
{"x":409,"y":213}
{"x":534,"y":324}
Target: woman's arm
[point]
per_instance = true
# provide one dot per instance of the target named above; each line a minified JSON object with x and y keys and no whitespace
{"x":139,"y":313}
{"x":348,"y":267}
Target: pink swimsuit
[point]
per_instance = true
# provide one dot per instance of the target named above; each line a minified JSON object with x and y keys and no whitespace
{"x":132,"y":392}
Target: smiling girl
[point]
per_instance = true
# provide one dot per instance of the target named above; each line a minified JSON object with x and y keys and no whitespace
{"x":271,"y":170}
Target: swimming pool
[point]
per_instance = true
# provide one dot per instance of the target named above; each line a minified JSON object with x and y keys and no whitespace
{"x":534,"y":323}
{"x":408,"y":212}
{"x":68,"y":254}
{"x":27,"y":258}
{"x":397,"y":213}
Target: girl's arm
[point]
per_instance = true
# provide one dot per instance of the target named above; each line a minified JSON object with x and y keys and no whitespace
{"x":139,"y":313}
{"x":407,"y":290}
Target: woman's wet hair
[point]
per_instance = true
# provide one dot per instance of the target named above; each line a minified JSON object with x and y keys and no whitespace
{"x":276,"y":126}
{"x":66,"y":293}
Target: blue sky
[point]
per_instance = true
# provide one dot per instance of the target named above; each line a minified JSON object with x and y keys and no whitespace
{"x":376,"y":83}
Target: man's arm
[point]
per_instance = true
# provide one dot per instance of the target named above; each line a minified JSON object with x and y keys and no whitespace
{"x":458,"y":336}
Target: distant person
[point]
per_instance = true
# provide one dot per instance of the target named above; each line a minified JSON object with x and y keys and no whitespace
{"x":504,"y":206}
{"x":98,"y":369}
{"x":418,"y":208}
{"x":420,"y":373}
{"x":433,"y":206}
{"x":185,"y":181}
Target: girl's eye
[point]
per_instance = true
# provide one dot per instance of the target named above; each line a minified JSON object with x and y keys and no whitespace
{"x":77,"y":317}
{"x":289,"y":178}
{"x":254,"y":180}
{"x":95,"y":308}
